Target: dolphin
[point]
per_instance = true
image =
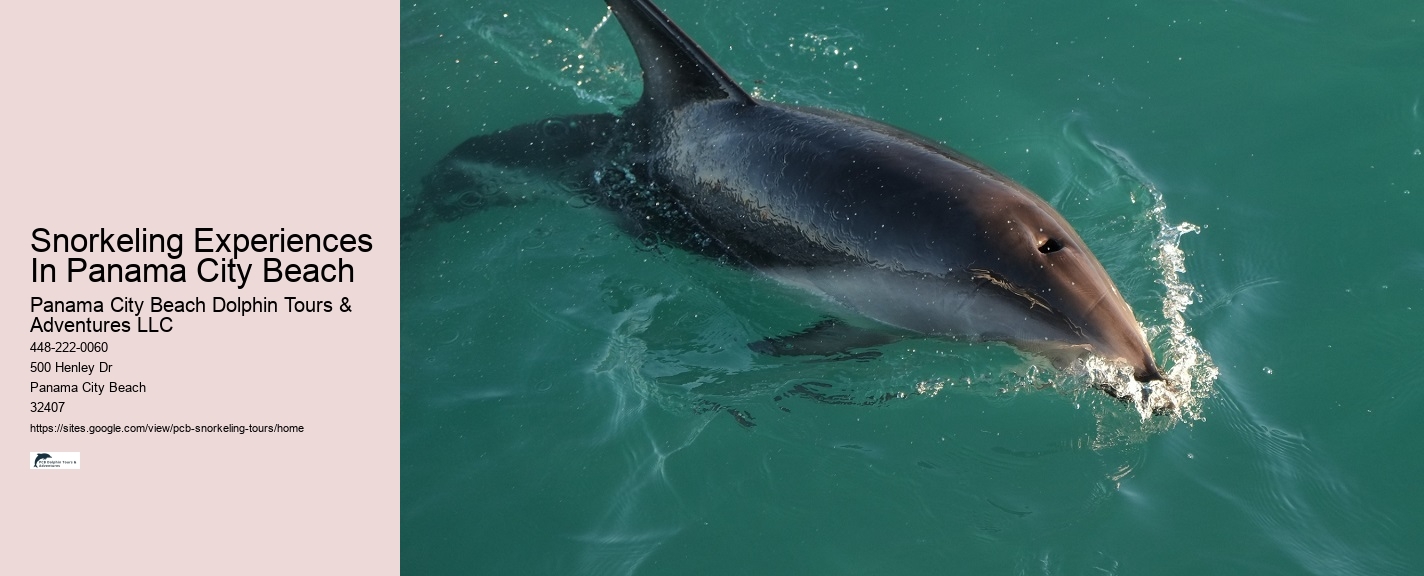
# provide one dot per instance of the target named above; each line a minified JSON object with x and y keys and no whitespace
{"x":40,"y":456}
{"x":899,"y":234}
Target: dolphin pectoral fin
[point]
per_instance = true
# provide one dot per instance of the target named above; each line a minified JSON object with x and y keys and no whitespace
{"x":505,"y":168}
{"x":830,"y":394}
{"x":830,"y":337}
{"x":743,"y":418}
{"x":545,"y":144}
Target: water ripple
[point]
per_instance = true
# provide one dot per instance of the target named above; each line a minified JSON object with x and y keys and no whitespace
{"x":1300,"y":499}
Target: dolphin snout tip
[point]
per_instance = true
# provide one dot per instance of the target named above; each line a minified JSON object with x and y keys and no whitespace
{"x":1155,"y":396}
{"x":1162,"y":398}
{"x":1148,"y":373}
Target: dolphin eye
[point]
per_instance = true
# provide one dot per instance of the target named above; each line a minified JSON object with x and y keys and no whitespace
{"x":1050,"y":246}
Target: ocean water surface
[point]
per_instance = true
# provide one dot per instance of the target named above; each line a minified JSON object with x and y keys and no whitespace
{"x":578,"y":401}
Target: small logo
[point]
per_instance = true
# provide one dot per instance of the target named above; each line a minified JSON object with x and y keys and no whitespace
{"x":54,"y":460}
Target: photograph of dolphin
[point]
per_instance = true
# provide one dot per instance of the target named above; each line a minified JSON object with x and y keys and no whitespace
{"x":899,"y":235}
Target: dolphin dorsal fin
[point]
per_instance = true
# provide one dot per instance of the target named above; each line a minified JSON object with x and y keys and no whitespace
{"x":675,"y":70}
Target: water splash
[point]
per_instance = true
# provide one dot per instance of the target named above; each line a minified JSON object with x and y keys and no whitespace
{"x":828,"y":50}
{"x":1189,"y":370}
{"x":1113,"y":197}
{"x":562,"y":56}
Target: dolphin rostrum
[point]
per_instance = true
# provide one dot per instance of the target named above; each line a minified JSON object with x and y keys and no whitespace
{"x":892,"y":229}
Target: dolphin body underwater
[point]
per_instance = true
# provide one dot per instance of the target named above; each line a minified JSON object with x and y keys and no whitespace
{"x":902,"y":235}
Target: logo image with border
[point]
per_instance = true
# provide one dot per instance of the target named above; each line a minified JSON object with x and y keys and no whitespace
{"x":54,"y":460}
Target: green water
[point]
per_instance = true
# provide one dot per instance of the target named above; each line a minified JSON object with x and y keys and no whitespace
{"x":558,"y":377}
